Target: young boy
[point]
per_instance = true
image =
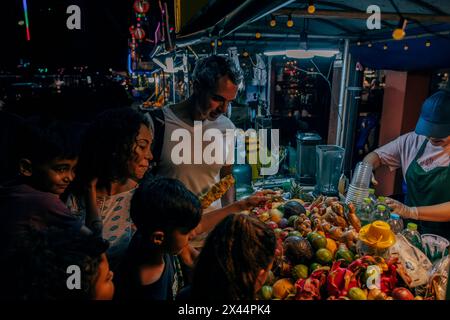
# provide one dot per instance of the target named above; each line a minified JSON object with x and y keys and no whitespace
{"x":165,"y":214}
{"x":40,"y":266}
{"x":48,"y":157}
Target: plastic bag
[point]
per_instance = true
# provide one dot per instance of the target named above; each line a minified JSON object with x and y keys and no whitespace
{"x":415,"y":265}
{"x":437,"y":285}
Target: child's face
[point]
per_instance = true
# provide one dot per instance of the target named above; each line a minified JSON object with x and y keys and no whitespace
{"x":54,"y":176}
{"x":142,"y":155}
{"x":104,"y":287}
{"x":179,"y":241}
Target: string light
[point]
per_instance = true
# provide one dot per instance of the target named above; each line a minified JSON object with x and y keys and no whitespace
{"x":369,"y":45}
{"x":290,"y":22}
{"x":385,"y":46}
{"x":213,"y":43}
{"x":399,"y":33}
{"x":258,"y":35}
{"x":358,"y":43}
{"x":219,"y":43}
{"x":311,"y":7}
{"x":245,"y":53}
{"x":273,"y":21}
{"x":405,"y":47}
{"x":428,"y":43}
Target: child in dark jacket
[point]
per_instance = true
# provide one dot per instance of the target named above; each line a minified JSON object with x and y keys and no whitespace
{"x":165,"y":214}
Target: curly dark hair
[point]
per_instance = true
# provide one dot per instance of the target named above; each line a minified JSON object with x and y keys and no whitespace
{"x":208,"y":70}
{"x":35,"y":266}
{"x":107,"y":146}
{"x":233,"y":255}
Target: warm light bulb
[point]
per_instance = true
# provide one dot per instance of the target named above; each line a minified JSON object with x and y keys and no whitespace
{"x":385,"y":47}
{"x":258,"y":35}
{"x":428,"y":43}
{"x":273,"y":22}
{"x":311,"y":7}
{"x":212,"y":44}
{"x":405,"y":47}
{"x":399,"y":33}
{"x":290,"y":22}
{"x":219,"y":43}
{"x":245,"y":54}
{"x":369,"y":45}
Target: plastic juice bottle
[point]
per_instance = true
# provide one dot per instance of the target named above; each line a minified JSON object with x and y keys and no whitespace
{"x":365,"y":213}
{"x":381,"y":213}
{"x":413,"y":235}
{"x":382,"y":201}
{"x":372,"y":195}
{"x":396,"y":223}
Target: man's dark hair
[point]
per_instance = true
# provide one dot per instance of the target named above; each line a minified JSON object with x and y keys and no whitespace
{"x":35,"y":266}
{"x":209,"y":70}
{"x":44,"y":139}
{"x":229,"y":263}
{"x":107,"y":146}
{"x":164,"y":204}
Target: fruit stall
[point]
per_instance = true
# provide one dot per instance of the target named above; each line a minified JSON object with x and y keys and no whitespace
{"x":323,"y":253}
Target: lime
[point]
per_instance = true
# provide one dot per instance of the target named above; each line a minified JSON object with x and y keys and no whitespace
{"x":300,"y":271}
{"x":356,"y":293}
{"x":314,"y":266}
{"x":319,"y":242}
{"x":324,"y":256}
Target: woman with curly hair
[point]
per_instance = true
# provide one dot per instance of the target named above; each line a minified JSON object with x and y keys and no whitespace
{"x":235,"y":261}
{"x":115,"y":155}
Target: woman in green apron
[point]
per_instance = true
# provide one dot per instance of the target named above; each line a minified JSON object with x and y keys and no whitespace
{"x":428,"y":190}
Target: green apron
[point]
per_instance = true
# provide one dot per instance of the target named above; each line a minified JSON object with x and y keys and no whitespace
{"x":426,"y":189}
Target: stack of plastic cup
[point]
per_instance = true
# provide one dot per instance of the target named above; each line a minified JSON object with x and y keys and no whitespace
{"x":359,"y":187}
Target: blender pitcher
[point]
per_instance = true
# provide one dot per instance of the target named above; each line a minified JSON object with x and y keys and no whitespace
{"x":329,"y":162}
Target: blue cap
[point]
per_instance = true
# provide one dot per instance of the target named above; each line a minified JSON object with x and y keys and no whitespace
{"x":434,"y":119}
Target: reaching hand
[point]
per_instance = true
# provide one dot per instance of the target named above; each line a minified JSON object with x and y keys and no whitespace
{"x":373,"y":180}
{"x":251,"y":202}
{"x":402,"y":209}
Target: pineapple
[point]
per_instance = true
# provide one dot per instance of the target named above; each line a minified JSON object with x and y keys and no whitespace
{"x":297,"y":192}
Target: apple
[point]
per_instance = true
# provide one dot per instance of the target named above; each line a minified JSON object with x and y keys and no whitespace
{"x":401,"y":293}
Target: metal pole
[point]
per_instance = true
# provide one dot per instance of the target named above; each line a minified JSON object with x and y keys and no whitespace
{"x":174,"y":86}
{"x":269,"y":83}
{"x":186,"y":73}
{"x":342,"y":95}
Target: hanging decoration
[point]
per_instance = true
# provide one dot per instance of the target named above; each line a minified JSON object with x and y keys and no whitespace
{"x":141,"y":7}
{"x":147,"y":32}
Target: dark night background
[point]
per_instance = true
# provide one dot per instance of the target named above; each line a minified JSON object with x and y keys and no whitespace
{"x":101,"y":43}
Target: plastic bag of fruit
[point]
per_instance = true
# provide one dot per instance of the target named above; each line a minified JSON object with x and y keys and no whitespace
{"x":414,"y":264}
{"x":437,"y":285}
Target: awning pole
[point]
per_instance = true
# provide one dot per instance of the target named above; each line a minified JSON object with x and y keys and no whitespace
{"x":342,"y":95}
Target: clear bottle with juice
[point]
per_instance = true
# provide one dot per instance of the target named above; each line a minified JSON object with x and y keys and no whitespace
{"x":396,"y":223}
{"x":365,"y":212}
{"x":412,"y":235}
{"x":381,"y":213}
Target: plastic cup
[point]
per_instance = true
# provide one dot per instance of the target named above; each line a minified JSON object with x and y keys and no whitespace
{"x":362,"y":175}
{"x":434,"y":246}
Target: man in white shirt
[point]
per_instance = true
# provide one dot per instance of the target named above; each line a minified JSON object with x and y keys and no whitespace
{"x":216,"y":81}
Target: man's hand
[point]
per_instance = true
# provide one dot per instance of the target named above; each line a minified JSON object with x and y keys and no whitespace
{"x":251,"y":202}
{"x":402,"y":209}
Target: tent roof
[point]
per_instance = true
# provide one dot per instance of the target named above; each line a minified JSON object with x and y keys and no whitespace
{"x":333,"y":21}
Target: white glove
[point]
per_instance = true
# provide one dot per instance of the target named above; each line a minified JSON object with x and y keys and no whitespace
{"x":402,"y":209}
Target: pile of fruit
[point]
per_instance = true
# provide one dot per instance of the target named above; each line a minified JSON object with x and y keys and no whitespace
{"x":316,"y":255}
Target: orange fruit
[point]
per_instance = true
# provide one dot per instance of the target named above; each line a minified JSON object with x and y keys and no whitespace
{"x":331,"y":245}
{"x":282,"y":288}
